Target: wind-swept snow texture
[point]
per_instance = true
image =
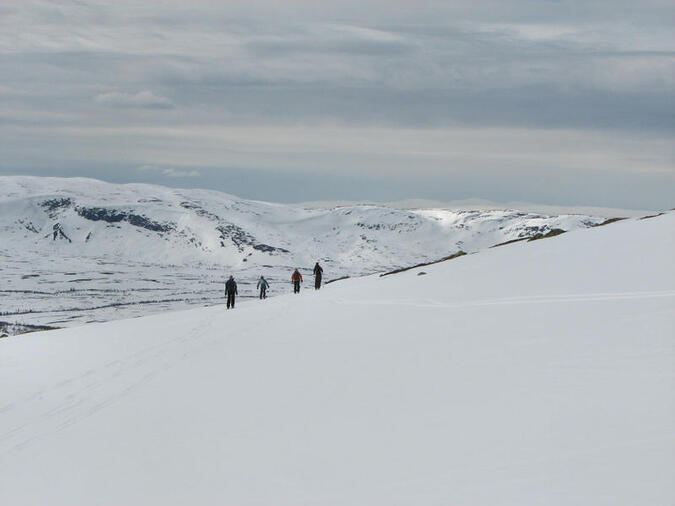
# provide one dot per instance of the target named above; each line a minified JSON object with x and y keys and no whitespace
{"x":535,"y":373}
{"x":80,"y":250}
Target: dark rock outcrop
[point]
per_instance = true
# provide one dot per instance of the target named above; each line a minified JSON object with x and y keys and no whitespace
{"x":114,"y":216}
{"x":57,"y":232}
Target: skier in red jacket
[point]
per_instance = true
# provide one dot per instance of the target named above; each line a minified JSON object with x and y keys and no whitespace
{"x":296,"y":278}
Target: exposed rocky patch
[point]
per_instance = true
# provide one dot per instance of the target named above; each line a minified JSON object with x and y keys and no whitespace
{"x":114,"y":216}
{"x":652,"y":216}
{"x":336,"y":279}
{"x":12,"y":329}
{"x":269,"y":249}
{"x":543,"y":235}
{"x":231,"y":232}
{"x":53,"y":207}
{"x":29,"y":226}
{"x":240,"y":238}
{"x":444,"y":259}
{"x":58,"y":233}
{"x":608,"y":222}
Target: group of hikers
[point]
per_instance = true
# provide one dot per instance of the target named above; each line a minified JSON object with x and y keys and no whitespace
{"x":263,"y":284}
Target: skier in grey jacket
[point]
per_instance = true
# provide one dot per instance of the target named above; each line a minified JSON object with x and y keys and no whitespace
{"x":263,"y":285}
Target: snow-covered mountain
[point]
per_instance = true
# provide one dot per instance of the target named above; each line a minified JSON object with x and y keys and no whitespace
{"x":59,"y":216}
{"x":534,"y":373}
{"x":99,"y":246}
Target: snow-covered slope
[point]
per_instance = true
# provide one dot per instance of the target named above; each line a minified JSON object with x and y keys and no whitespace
{"x":70,"y":245}
{"x":535,"y":373}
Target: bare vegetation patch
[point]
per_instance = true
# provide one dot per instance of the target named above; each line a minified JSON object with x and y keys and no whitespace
{"x":444,"y":259}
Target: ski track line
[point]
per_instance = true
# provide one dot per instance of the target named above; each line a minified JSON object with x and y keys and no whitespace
{"x":534,"y":299}
{"x":80,"y":397}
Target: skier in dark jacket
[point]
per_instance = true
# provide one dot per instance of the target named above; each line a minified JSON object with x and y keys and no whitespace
{"x":230,"y":291}
{"x":318,"y":274}
{"x":296,"y":278}
{"x":263,"y":285}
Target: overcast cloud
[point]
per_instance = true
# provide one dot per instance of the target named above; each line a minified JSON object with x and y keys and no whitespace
{"x":561,"y":102}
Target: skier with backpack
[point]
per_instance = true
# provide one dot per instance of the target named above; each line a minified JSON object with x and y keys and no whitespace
{"x":263,"y":285}
{"x":318,"y":274}
{"x":230,"y":291}
{"x":296,"y":278}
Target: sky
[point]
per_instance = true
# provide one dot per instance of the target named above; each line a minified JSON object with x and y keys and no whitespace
{"x":567,"y":102}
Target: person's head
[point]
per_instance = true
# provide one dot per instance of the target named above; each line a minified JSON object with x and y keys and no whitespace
{"x":231,"y":277}
{"x":262,"y":277}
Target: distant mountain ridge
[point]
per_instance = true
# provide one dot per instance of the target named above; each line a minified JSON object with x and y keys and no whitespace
{"x":486,"y":205}
{"x":172,"y":226}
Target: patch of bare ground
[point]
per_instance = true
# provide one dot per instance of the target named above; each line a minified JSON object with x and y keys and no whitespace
{"x":11,"y":329}
{"x":336,"y":279}
{"x":551,"y":233}
{"x":608,"y":221}
{"x":652,"y":216}
{"x":444,"y":259}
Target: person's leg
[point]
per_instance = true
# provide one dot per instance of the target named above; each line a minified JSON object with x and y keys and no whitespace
{"x":228,"y":300}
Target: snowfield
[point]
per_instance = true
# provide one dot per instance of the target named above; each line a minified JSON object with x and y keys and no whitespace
{"x":534,"y":373}
{"x":79,"y":250}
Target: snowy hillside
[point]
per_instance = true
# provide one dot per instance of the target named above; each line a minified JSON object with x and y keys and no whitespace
{"x":162,"y":225}
{"x":534,"y":373}
{"x":79,"y":250}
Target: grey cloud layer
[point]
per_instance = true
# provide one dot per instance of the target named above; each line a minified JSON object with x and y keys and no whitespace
{"x":142,"y":99}
{"x":522,"y":66}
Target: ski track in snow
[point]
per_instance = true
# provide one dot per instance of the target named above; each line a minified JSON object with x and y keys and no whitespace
{"x":81,"y":396}
{"x":534,"y":299}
